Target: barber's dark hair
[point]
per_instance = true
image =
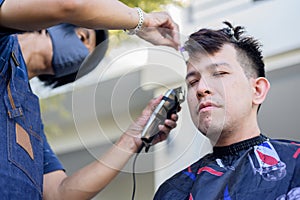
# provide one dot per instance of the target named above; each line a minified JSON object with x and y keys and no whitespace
{"x":248,"y":49}
{"x":54,"y":82}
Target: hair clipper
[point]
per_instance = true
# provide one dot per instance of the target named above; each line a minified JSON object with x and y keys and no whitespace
{"x":169,"y":105}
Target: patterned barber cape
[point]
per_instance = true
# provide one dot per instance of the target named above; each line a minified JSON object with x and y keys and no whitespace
{"x":258,"y":168}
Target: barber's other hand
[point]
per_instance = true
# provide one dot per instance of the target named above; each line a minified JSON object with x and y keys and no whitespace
{"x":132,"y":137}
{"x":160,"y":29}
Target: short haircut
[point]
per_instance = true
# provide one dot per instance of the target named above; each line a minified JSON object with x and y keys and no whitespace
{"x":210,"y":41}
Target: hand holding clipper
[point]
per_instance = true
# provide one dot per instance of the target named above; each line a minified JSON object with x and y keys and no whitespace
{"x":170,"y":104}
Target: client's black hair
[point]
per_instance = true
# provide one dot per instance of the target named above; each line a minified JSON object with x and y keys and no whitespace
{"x":248,"y":49}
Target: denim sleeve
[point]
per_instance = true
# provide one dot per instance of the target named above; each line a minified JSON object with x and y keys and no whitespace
{"x":51,"y":162}
{"x":1,"y":2}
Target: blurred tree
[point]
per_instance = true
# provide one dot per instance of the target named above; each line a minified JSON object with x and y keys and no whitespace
{"x":152,"y":5}
{"x":53,"y":108}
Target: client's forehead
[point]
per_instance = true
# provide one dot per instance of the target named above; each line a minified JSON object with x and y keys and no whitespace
{"x":226,"y":54}
{"x":201,"y":62}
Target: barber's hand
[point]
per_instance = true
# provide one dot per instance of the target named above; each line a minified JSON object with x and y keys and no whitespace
{"x":134,"y":131}
{"x":160,"y":29}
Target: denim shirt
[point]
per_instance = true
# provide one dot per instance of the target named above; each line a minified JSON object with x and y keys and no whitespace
{"x":25,"y":153}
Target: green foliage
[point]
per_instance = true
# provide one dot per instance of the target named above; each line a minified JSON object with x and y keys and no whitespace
{"x":53,"y":106}
{"x":151,"y":5}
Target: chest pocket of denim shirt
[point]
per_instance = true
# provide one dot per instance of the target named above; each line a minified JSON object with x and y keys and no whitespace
{"x":24,"y":129}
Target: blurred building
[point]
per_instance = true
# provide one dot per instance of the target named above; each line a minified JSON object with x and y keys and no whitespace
{"x":104,"y":104}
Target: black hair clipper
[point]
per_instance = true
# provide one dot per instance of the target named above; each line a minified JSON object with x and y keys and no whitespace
{"x":169,"y":105}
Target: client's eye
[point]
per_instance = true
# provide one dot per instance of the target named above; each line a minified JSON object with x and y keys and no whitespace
{"x":192,"y":82}
{"x":219,"y":73}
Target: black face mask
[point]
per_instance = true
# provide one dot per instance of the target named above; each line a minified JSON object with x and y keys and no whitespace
{"x":68,"y":50}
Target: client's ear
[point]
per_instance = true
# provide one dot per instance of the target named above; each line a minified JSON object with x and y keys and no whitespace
{"x":261,"y":89}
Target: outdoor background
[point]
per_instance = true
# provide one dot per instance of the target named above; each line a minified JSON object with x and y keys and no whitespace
{"x":84,"y":119}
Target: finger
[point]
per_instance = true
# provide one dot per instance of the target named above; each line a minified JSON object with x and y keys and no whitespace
{"x":163,"y":136}
{"x":152,"y":105}
{"x":174,"y":117}
{"x":171,"y":42}
{"x":179,"y":108}
{"x":166,"y":128}
{"x":169,"y":37}
{"x":176,"y":38}
{"x":170,"y":124}
{"x":155,"y":101}
{"x":160,"y":137}
{"x":173,"y":35}
{"x":156,"y":36}
{"x":172,"y":31}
